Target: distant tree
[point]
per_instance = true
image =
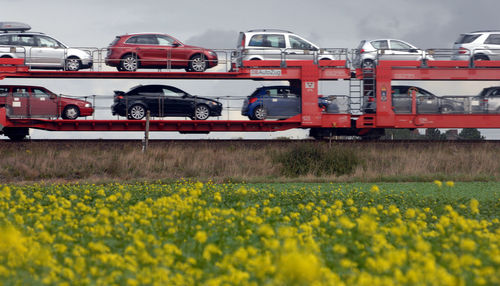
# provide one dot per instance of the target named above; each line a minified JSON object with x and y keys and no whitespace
{"x":470,"y":134}
{"x":434,"y":134}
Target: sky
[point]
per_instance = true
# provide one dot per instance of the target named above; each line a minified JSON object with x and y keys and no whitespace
{"x":216,"y":24}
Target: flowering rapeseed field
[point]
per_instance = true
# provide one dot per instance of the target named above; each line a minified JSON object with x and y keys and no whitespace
{"x":226,"y":234}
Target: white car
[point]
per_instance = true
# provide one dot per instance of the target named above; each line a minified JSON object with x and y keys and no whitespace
{"x":273,"y":44}
{"x":39,"y":50}
{"x":369,"y":52}
{"x":481,"y":45}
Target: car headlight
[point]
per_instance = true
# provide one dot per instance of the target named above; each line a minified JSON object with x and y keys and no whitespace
{"x":212,"y":53}
{"x":88,"y":104}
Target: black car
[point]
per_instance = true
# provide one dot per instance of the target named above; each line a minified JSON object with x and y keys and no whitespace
{"x":163,"y":100}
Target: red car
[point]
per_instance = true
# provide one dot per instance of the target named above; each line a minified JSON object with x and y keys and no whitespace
{"x":35,"y":101}
{"x":130,"y":52}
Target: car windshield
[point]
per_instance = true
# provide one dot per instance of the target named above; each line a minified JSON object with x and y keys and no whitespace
{"x":466,"y":38}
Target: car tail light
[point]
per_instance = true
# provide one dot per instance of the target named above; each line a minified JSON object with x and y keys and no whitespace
{"x":242,"y":41}
{"x":362,"y":51}
{"x":252,"y":100}
{"x":371,"y":99}
{"x":119,"y":97}
{"x":463,"y":51}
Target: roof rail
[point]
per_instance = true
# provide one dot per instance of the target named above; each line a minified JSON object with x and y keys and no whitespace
{"x":486,"y":31}
{"x":270,"y":30}
{"x":14,"y":27}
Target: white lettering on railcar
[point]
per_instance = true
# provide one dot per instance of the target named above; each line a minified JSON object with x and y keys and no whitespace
{"x":265,"y":73}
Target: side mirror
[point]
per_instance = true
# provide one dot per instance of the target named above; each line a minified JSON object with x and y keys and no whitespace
{"x":176,"y":44}
{"x":413,"y":51}
{"x":53,"y":96}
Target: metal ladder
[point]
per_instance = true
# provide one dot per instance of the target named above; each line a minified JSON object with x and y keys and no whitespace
{"x":355,"y":98}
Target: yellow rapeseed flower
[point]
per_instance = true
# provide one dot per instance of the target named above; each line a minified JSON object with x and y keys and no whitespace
{"x":200,"y":236}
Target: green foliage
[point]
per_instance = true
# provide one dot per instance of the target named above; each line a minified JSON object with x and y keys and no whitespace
{"x":470,"y":134}
{"x":434,"y":134}
{"x":304,"y":159}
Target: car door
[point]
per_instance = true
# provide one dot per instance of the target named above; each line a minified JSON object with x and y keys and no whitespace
{"x":24,"y":45}
{"x":401,"y":100}
{"x":48,"y":52}
{"x":300,"y":49}
{"x":288,"y":103}
{"x":272,"y":46}
{"x":427,"y":102}
{"x":18,"y":105}
{"x":402,"y":51}
{"x":43,"y":103}
{"x":178,"y":102}
{"x":152,"y":96}
{"x":148,"y":51}
{"x":492,"y":44}
{"x":382,"y":47}
{"x":172,"y":52}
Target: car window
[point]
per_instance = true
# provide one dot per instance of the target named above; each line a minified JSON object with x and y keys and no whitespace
{"x":274,"y":41}
{"x":143,"y":40}
{"x":466,"y":38}
{"x":380,"y":45}
{"x":20,"y":92}
{"x":298,"y":43}
{"x":4,"y":39}
{"x":398,"y":45}
{"x":173,"y":92}
{"x":38,"y":92}
{"x":47,"y":42}
{"x":164,"y":40}
{"x":4,"y":91}
{"x":400,"y":91}
{"x":148,"y":89}
{"x":272,"y":92}
{"x":23,"y":40}
{"x":495,"y":93}
{"x":493,"y":39}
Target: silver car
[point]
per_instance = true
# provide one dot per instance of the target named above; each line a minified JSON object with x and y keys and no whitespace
{"x":480,"y":45}
{"x":369,"y":52}
{"x":272,"y":44}
{"x":39,"y":50}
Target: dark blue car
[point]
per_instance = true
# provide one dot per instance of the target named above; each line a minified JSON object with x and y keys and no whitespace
{"x":276,"y":102}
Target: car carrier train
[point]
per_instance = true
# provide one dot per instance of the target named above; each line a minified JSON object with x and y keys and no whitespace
{"x":373,"y":103}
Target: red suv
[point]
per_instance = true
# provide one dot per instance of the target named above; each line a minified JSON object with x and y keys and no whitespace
{"x":35,"y":101}
{"x":130,"y":52}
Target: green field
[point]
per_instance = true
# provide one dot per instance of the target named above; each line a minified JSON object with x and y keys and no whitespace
{"x":256,"y":234}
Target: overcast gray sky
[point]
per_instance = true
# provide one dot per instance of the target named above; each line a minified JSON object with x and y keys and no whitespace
{"x":216,"y":23}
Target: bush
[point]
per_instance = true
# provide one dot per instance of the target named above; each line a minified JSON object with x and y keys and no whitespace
{"x":304,"y":159}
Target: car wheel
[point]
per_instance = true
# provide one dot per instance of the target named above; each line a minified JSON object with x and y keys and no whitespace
{"x":201,"y":112}
{"x":197,"y":63}
{"x":259,"y":113}
{"x":136,"y":112}
{"x":72,"y":64}
{"x":446,"y":109}
{"x":368,"y":64}
{"x":71,"y":112}
{"x":129,"y":63}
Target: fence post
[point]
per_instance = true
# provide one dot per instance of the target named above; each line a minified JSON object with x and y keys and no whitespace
{"x":146,"y":134}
